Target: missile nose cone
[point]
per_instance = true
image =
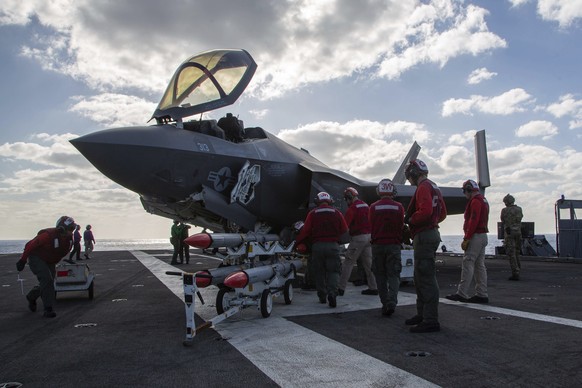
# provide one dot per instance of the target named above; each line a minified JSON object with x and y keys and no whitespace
{"x":199,"y":240}
{"x":205,"y":281}
{"x":237,"y":280}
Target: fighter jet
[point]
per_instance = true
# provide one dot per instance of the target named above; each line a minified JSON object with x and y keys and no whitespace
{"x":220,"y":175}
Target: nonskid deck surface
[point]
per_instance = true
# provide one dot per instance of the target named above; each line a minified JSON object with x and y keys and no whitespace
{"x":131,"y":333}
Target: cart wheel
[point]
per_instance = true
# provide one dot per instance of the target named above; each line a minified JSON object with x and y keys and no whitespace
{"x":91,"y":291}
{"x":266,"y":303}
{"x":288,"y":291}
{"x":223,"y":299}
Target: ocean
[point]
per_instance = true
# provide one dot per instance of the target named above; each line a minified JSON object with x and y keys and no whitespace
{"x":452,"y":243}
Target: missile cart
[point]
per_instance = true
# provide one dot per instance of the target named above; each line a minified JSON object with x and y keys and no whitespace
{"x":74,"y":277}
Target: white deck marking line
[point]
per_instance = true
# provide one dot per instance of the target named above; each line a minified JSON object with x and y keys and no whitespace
{"x":517,"y":313}
{"x":322,"y":361}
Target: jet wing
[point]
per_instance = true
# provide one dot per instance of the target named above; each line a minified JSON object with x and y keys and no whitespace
{"x":207,"y":81}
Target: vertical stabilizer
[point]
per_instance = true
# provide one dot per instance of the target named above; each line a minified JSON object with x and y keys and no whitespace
{"x":399,"y":177}
{"x":481,"y":160}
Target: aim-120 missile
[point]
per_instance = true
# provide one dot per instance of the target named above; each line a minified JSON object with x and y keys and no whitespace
{"x":260,"y":274}
{"x":219,"y":240}
{"x":215,"y":276}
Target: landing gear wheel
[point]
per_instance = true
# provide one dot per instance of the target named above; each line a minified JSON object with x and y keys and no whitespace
{"x":91,"y":291}
{"x":223,"y":299}
{"x":288,"y":291}
{"x":266,"y":303}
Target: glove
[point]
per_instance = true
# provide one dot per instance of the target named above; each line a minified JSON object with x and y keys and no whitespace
{"x":465,"y":244}
{"x":20,"y":265}
{"x":406,"y":219}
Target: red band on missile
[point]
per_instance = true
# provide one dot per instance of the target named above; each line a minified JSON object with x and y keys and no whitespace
{"x":237,"y":280}
{"x":200,"y":240}
{"x":205,"y":281}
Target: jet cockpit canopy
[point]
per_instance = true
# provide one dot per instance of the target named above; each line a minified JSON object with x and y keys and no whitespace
{"x":207,"y":81}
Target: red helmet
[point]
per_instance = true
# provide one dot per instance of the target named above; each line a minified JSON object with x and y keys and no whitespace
{"x":386,"y":187}
{"x":470,"y":186}
{"x":66,"y":224}
{"x":415,"y":169}
{"x":323,"y":197}
{"x":350,"y":193}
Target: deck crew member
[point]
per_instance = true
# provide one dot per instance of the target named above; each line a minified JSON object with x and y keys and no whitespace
{"x":426,"y":210}
{"x":359,"y":248}
{"x":511,"y":216}
{"x":324,"y":227}
{"x":474,"y":243}
{"x":387,"y":223}
{"x":43,"y":253}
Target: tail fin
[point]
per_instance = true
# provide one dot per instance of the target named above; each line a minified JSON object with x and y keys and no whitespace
{"x":399,"y":177}
{"x":482,"y":163}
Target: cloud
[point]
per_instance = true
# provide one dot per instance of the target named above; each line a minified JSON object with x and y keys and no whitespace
{"x":110,"y":45}
{"x":512,"y":101}
{"x":479,"y":75}
{"x":517,"y":3}
{"x":536,"y":128}
{"x":366,"y":149}
{"x":568,"y":106}
{"x":114,"y":110}
{"x":425,"y":40}
{"x":565,"y":12}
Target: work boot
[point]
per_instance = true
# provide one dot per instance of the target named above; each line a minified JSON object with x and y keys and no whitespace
{"x":340,"y":292}
{"x":322,"y":300}
{"x":456,"y":298}
{"x":413,"y":321}
{"x":514,"y":277}
{"x":69,"y":261}
{"x":370,"y":292}
{"x":49,"y":313}
{"x":478,"y":299}
{"x":31,"y":304}
{"x":387,"y":311}
{"x":79,"y":259}
{"x":331,"y":300}
{"x":426,"y":327}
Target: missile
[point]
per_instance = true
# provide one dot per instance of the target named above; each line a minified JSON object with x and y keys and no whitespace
{"x":248,"y":276}
{"x":218,"y":240}
{"x":216,"y":276}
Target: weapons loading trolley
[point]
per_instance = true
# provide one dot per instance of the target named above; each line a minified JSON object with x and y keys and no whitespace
{"x":74,"y":277}
{"x":242,"y":281}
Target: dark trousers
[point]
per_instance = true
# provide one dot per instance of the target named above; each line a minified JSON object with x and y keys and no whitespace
{"x":45,"y":273}
{"x":427,"y":288}
{"x":386,"y":266}
{"x":327,"y":263}
{"x":76,"y":250}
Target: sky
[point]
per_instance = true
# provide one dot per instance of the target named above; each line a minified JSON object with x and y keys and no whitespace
{"x":353,"y":82}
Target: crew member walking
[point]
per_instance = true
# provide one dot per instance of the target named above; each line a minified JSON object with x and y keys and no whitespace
{"x":474,"y":243}
{"x":89,"y":241}
{"x":511,"y":216}
{"x":387,"y":221}
{"x":426,"y":210}
{"x":42,"y":253}
{"x":359,"y":247}
{"x":324,"y":227}
{"x":76,"y":245}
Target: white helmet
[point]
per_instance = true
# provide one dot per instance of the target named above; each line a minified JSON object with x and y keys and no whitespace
{"x":323,"y":197}
{"x":386,"y":187}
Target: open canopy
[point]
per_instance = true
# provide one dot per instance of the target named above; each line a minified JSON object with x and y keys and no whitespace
{"x":205,"y":82}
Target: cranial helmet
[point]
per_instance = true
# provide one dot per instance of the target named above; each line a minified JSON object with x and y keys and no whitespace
{"x":508,"y":199}
{"x":65,"y":224}
{"x":386,"y":187}
{"x":470,"y":186}
{"x":323,"y":197}
{"x":415,"y":169}
{"x":350,"y":193}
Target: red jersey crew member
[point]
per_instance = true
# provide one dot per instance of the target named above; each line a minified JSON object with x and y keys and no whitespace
{"x":387,"y":221}
{"x":43,"y":252}
{"x":359,"y":248}
{"x":474,"y":243}
{"x":324,"y":227}
{"x":426,"y":210}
